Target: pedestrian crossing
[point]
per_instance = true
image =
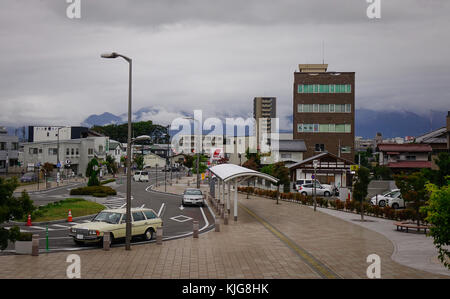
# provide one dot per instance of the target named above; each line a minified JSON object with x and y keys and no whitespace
{"x":114,"y":203}
{"x":51,"y":227}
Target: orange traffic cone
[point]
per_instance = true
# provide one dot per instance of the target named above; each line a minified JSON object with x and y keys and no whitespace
{"x":69,"y":218}
{"x":29,"y":220}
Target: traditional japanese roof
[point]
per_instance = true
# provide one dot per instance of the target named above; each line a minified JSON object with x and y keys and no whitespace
{"x":405,"y":147}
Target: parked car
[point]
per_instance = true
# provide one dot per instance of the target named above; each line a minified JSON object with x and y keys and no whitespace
{"x":141,"y":176}
{"x":302,"y":182}
{"x":28,"y":177}
{"x":321,"y":190}
{"x":392,"y":198}
{"x":193,"y":196}
{"x":144,"y":223}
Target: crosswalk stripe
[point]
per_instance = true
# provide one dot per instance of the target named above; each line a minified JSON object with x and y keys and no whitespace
{"x":59,"y":225}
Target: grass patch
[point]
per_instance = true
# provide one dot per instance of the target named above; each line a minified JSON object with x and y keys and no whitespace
{"x":60,"y":209}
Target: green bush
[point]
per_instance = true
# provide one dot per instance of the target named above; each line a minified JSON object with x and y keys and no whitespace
{"x":25,"y":237}
{"x":99,"y":195}
{"x":107,"y":181}
{"x":91,"y":190}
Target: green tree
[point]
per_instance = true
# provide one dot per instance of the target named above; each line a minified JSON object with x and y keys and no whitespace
{"x":202,"y":164}
{"x":255,"y":156}
{"x":360,"y":187}
{"x":250,"y":164}
{"x":92,"y":173}
{"x":413,"y":190}
{"x":438,"y":215}
{"x":443,"y":162}
{"x":188,"y":161}
{"x":12,"y":208}
{"x":139,"y":160}
{"x":382,"y":172}
{"x":111,"y":164}
{"x":279,"y":171}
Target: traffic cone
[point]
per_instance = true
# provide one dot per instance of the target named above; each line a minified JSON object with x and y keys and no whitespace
{"x":29,"y":220}
{"x":69,"y":218}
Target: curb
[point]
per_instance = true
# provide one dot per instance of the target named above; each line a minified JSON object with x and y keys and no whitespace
{"x":53,"y":221}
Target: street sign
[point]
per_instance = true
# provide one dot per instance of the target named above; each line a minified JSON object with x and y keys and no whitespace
{"x":316,"y":163}
{"x":58,"y":165}
{"x":313,"y":177}
{"x":354,"y":167}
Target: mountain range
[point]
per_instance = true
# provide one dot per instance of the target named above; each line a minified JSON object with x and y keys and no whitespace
{"x":368,"y":122}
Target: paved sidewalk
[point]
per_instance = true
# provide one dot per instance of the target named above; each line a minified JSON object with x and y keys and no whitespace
{"x":243,"y":249}
{"x":411,"y":249}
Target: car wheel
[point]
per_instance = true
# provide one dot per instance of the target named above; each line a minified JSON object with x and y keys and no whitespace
{"x":304,"y":193}
{"x":382,"y":203}
{"x":395,"y":206}
{"x":148,"y":234}
{"x":326,"y":193}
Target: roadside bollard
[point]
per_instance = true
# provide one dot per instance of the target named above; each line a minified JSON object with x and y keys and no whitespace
{"x":222,"y":211}
{"x":189,"y":183}
{"x":195,"y":225}
{"x":159,"y":234}
{"x":225,"y":218}
{"x":217,"y":224}
{"x":106,"y":241}
{"x":35,"y":245}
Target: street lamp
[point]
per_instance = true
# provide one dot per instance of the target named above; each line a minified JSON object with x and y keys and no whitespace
{"x":198,"y":152}
{"x":315,"y":164}
{"x":128,"y":166}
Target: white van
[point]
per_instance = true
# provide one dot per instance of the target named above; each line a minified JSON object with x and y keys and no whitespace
{"x":141,"y":176}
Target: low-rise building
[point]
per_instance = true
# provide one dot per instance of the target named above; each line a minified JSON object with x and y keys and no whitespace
{"x":288,"y":151}
{"x":9,"y":151}
{"x":153,"y":160}
{"x":404,"y":157}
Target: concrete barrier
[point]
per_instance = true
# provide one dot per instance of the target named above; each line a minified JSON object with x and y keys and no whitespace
{"x":159,"y":235}
{"x":35,"y":245}
{"x":106,"y":241}
{"x":195,"y":227}
{"x":217,"y":225}
{"x":225,"y":218}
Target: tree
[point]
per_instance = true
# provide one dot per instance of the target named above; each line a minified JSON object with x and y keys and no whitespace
{"x":92,"y":171}
{"x":202,"y":165}
{"x":139,"y":160}
{"x":47,"y":168}
{"x":360,"y":186}
{"x":12,"y":208}
{"x":413,"y":190}
{"x":382,"y":172}
{"x":438,"y":215}
{"x":111,"y":164}
{"x":279,"y":171}
{"x":188,"y":161}
{"x":250,"y":164}
{"x":443,"y":162}
{"x":255,"y":156}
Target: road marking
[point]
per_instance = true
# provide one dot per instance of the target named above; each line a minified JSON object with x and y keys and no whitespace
{"x":315,"y":264}
{"x":142,"y":206}
{"x":181,"y":218}
{"x":206,"y":220}
{"x":21,"y":230}
{"x":60,"y":225}
{"x":160,"y":210}
{"x":41,"y":228}
{"x":86,"y":221}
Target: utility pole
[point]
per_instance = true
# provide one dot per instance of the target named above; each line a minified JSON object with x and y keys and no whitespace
{"x":315,"y":164}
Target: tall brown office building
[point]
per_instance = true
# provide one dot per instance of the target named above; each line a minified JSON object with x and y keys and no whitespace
{"x":324,"y":110}
{"x":264,"y":108}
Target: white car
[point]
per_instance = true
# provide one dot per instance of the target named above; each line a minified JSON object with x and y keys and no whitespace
{"x":193,"y":196}
{"x":321,"y":190}
{"x":299,"y":183}
{"x":141,"y":176}
{"x":392,"y":198}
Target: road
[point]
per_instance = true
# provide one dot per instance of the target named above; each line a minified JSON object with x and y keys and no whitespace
{"x":176,"y":219}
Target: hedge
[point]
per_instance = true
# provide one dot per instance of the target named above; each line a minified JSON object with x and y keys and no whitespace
{"x":97,"y":191}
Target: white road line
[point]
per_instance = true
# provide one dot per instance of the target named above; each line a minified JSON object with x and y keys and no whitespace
{"x":160,"y":209}
{"x":86,"y":221}
{"x":142,"y":206}
{"x":41,"y":228}
{"x":60,"y":225}
{"x":206,"y":220}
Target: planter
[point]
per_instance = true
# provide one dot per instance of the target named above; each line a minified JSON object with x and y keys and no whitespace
{"x":23,"y":247}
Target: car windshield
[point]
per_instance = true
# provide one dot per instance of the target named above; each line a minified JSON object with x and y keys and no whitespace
{"x":144,"y":173}
{"x":193,"y":192}
{"x":108,"y":217}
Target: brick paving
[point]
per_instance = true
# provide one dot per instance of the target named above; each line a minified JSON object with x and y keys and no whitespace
{"x":243,"y":249}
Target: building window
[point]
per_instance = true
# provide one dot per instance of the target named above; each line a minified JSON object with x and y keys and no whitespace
{"x":77,"y":152}
{"x":2,"y":146}
{"x":339,"y":108}
{"x":52,"y":151}
{"x":410,"y":158}
{"x":286,"y":156}
{"x":340,"y":128}
{"x":15,"y":146}
{"x":320,"y":148}
{"x":324,"y":88}
{"x":348,"y":128}
{"x":33,"y":151}
{"x":73,"y":152}
{"x":299,"y":108}
{"x":316,"y":107}
{"x":90,"y":151}
{"x":67,"y":151}
{"x":40,"y":151}
{"x":324,"y":128}
{"x":324,"y":108}
{"x":348,"y":108}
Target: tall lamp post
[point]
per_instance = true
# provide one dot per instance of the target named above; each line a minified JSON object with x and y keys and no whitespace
{"x":198,"y":152}
{"x":128,"y":224}
{"x":315,"y":164}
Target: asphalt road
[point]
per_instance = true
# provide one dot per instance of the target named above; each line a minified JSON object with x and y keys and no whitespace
{"x":177,"y":220}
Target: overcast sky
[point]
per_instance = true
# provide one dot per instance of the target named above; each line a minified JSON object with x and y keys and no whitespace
{"x":214,"y":55}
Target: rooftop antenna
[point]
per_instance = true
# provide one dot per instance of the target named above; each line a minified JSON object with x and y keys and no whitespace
{"x":323,"y":52}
